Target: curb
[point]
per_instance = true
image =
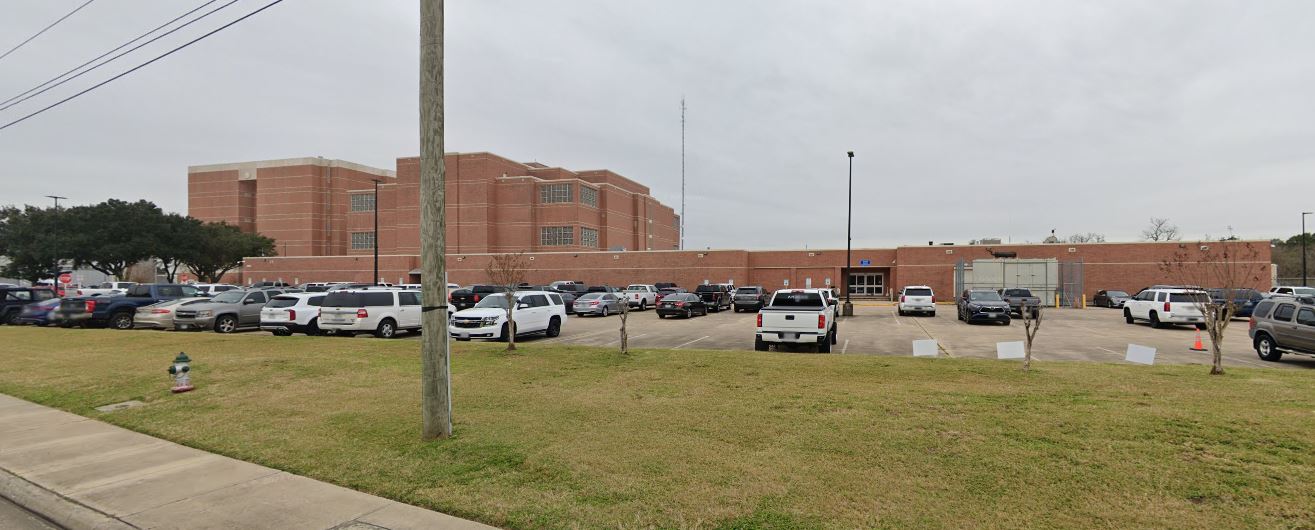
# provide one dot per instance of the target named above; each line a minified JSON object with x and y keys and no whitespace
{"x":62,"y":511}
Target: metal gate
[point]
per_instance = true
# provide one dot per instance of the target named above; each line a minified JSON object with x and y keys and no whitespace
{"x":1051,"y":280}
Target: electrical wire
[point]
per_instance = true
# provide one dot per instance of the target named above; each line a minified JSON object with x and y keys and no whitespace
{"x":45,"y":29}
{"x":112,"y":59}
{"x":140,"y":66}
{"x":101,"y":56}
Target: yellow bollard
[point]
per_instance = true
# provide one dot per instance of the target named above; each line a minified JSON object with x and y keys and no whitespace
{"x":1084,"y":301}
{"x":1056,"y":299}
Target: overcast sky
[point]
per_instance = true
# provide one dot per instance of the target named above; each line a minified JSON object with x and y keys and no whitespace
{"x":969,"y":119}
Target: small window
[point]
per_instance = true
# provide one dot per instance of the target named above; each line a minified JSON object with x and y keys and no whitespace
{"x":315,"y":301}
{"x":1306,"y":316}
{"x":537,"y":300}
{"x":408,"y":298}
{"x":556,"y":299}
{"x":588,"y":237}
{"x":378,"y":299}
{"x":554,"y":193}
{"x":554,"y":236}
{"x":588,"y":196}
{"x":362,"y":202}
{"x":362,"y":240}
{"x":1262,"y":309}
{"x":20,"y":295}
{"x":281,"y":301}
{"x":258,"y":297}
{"x":1284,"y":312}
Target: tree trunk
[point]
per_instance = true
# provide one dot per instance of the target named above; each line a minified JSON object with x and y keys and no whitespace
{"x":511,"y":322}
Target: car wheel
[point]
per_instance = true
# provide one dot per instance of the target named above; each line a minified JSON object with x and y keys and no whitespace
{"x":313,"y":328}
{"x":1127,"y":315}
{"x":759,"y":345}
{"x":348,"y":334}
{"x":1201,"y":326}
{"x":1267,"y":350}
{"x":11,"y":318}
{"x":932,"y":314}
{"x":387,"y":329}
{"x":282,"y":333}
{"x":1155,"y":320}
{"x":835,"y":335}
{"x":825,"y":345}
{"x":554,"y":327}
{"x":643,"y":304}
{"x":226,"y":324}
{"x":504,"y":334}
{"x":463,"y":339}
{"x":603,"y":313}
{"x":1008,"y":322}
{"x":121,"y":320}
{"x":689,"y":313}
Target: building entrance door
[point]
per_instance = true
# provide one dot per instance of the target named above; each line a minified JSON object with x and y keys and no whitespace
{"x":867,"y":284}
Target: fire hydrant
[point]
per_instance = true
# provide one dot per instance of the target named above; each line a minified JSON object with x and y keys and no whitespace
{"x":179,"y":370}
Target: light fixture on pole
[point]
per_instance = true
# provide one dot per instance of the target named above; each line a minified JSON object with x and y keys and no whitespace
{"x":376,"y":233}
{"x":848,"y":308}
{"x":1303,"y":247}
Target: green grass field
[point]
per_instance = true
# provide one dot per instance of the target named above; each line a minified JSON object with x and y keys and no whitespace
{"x":555,"y":437}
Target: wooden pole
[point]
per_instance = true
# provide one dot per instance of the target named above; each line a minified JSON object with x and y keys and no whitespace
{"x":435,"y":384}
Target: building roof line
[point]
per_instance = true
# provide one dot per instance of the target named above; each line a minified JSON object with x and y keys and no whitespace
{"x":287,"y":162}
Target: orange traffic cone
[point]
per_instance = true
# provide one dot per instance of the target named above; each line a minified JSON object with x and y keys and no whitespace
{"x":1198,"y":346}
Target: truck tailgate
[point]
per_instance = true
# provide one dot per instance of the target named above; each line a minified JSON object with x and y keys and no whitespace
{"x":776,"y":320}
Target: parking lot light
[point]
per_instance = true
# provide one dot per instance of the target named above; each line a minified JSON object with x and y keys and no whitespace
{"x":848,"y":308}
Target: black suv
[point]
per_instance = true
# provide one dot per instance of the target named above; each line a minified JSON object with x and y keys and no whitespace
{"x":12,"y":300}
{"x":751,"y":298}
{"x":1283,"y":324}
{"x":715,"y":296}
{"x":982,"y":305}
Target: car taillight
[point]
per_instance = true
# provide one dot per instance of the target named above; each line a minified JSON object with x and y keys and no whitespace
{"x":160,"y":311}
{"x":903,"y":298}
{"x":79,"y":292}
{"x":292,"y":314}
{"x":476,"y":298}
{"x":595,"y":302}
{"x":933,"y":298}
{"x":1251,"y":323}
{"x":91,"y":305}
{"x":1166,"y":307}
{"x":760,"y":320}
{"x":680,"y":304}
{"x":821,"y":321}
{"x":362,"y":313}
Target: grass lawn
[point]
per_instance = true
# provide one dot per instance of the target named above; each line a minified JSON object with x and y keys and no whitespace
{"x":563,"y":436}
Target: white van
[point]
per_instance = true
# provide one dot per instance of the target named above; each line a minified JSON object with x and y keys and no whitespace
{"x":382,"y":312}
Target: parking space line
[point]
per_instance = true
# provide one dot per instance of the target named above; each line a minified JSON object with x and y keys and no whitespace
{"x":897,"y":320}
{"x":629,"y":338}
{"x":691,"y":342}
{"x":938,"y":342}
{"x":845,"y":348}
{"x":1108,"y":350}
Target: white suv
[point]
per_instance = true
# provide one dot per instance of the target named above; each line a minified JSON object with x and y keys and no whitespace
{"x":917,"y":299}
{"x":641,"y":296}
{"x":290,"y":313}
{"x":536,"y":312}
{"x":1163,"y":307}
{"x":383,"y":312}
{"x":1295,"y":290}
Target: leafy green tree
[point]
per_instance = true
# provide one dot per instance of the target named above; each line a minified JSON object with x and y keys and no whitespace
{"x":29,"y":240}
{"x":113,"y":235}
{"x":179,"y":241}
{"x":221,"y":247}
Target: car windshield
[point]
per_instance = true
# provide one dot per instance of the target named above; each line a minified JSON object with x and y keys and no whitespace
{"x":1017,"y":292}
{"x":917,"y":292}
{"x":228,"y":297}
{"x":634,"y":288}
{"x":798,"y":299}
{"x":746,"y":290}
{"x":282,"y":301}
{"x":983,"y":296}
{"x":499,"y":301}
{"x":706,"y":289}
{"x":1304,"y":291}
{"x":1116,"y":294}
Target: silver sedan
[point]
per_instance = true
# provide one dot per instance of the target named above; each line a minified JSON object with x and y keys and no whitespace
{"x":601,"y":304}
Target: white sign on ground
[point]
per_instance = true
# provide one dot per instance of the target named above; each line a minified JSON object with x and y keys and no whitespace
{"x":1140,"y":354}
{"x":925,"y":348}
{"x":1009,"y":350}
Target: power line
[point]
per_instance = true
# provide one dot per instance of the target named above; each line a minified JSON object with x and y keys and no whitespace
{"x":112,"y":59}
{"x":120,"y":47}
{"x":140,"y":66}
{"x":47,"y":28}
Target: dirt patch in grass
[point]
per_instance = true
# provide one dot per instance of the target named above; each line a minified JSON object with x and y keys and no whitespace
{"x":564,"y":436}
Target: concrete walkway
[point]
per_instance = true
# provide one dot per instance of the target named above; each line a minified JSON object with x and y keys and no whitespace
{"x":82,"y":473}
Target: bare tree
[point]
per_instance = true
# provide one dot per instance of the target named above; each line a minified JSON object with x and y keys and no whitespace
{"x":1233,"y":268}
{"x":625,"y":337}
{"x":508,"y":271}
{"x":1089,"y":237}
{"x":1031,"y":324}
{"x":1160,"y":230}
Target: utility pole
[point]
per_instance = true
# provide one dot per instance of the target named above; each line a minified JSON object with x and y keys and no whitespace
{"x":682,"y":172}
{"x":435,"y":377}
{"x":1303,"y":247}
{"x":848,"y":309}
{"x":58,"y":261}
{"x":376,"y":233}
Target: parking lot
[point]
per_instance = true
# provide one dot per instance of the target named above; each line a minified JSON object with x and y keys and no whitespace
{"x":1094,"y":334}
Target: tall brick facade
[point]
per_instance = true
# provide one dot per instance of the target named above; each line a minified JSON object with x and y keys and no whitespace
{"x":320,"y":207}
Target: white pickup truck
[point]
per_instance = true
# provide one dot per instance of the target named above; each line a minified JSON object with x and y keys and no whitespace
{"x":641,"y":296}
{"x":797,"y":316}
{"x":105,"y":289}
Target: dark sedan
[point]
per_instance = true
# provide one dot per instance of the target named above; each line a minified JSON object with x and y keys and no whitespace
{"x":681,"y":304}
{"x":39,"y":313}
{"x":1110,"y":298}
{"x":1244,"y":300}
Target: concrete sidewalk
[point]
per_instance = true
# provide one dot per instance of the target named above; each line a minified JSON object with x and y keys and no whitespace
{"x":82,"y":473}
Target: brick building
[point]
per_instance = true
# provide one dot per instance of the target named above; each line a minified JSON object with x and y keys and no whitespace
{"x":316,"y":207}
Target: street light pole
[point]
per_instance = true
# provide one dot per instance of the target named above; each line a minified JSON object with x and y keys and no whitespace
{"x":1303,"y":247}
{"x":376,"y":233}
{"x":55,"y":239}
{"x":848,"y":309}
